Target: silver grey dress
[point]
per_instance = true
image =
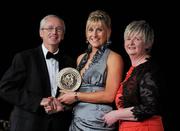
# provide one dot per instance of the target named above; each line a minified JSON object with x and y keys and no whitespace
{"x":88,"y":116}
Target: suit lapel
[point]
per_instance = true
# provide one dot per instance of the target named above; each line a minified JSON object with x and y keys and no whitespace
{"x":43,"y":71}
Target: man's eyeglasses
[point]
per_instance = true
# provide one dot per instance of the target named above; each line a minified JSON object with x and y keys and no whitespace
{"x":51,"y":29}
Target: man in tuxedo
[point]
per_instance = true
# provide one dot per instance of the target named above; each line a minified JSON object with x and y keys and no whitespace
{"x":30,"y":82}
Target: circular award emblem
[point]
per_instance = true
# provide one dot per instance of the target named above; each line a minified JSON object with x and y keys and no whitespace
{"x":69,"y":79}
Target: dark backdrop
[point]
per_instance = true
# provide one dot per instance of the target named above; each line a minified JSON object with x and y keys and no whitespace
{"x":20,"y":31}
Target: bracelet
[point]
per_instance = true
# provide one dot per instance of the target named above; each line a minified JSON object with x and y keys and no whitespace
{"x":76,"y":96}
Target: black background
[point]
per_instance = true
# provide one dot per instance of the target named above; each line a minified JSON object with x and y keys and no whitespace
{"x":20,"y":30}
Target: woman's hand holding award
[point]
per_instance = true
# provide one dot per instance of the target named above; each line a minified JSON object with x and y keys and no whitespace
{"x":68,"y":79}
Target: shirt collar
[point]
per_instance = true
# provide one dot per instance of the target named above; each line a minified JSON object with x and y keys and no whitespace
{"x":45,"y":50}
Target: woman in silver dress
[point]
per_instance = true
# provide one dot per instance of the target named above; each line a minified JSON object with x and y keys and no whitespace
{"x":101,"y":70}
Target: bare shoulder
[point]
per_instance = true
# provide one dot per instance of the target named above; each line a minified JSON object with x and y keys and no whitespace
{"x":80,"y":57}
{"x":115,"y":66}
{"x":115,"y":58}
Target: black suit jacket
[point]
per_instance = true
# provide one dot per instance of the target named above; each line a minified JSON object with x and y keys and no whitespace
{"x":24,"y":85}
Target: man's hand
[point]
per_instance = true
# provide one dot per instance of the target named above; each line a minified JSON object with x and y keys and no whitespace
{"x":51,"y":105}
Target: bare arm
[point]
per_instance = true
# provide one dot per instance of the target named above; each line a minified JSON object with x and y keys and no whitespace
{"x":114,"y":77}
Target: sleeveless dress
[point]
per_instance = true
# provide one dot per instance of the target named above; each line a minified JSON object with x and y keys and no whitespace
{"x":88,"y":116}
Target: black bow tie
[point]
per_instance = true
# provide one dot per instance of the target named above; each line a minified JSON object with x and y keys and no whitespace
{"x":51,"y":55}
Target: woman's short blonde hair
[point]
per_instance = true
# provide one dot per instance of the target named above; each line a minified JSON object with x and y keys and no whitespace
{"x":143,"y":28}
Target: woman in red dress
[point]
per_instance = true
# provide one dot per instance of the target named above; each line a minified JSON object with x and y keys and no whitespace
{"x":137,"y":99}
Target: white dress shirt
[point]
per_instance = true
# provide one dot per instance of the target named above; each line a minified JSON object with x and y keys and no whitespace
{"x":53,"y":69}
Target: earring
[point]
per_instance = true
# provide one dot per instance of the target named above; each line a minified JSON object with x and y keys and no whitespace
{"x":109,"y":42}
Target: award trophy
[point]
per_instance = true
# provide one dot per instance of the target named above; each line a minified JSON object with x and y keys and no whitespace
{"x":68,"y":79}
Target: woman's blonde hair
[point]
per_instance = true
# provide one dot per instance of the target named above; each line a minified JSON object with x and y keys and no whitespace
{"x":143,"y":28}
{"x":101,"y":16}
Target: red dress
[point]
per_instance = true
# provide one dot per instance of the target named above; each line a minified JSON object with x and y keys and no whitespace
{"x":152,"y":124}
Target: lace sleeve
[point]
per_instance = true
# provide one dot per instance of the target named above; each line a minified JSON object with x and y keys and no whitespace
{"x":148,"y":97}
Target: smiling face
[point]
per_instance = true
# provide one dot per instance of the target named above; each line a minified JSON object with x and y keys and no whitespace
{"x":97,"y":34}
{"x":52,"y":31}
{"x":134,"y":44}
{"x":138,"y":38}
{"x":98,"y":28}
